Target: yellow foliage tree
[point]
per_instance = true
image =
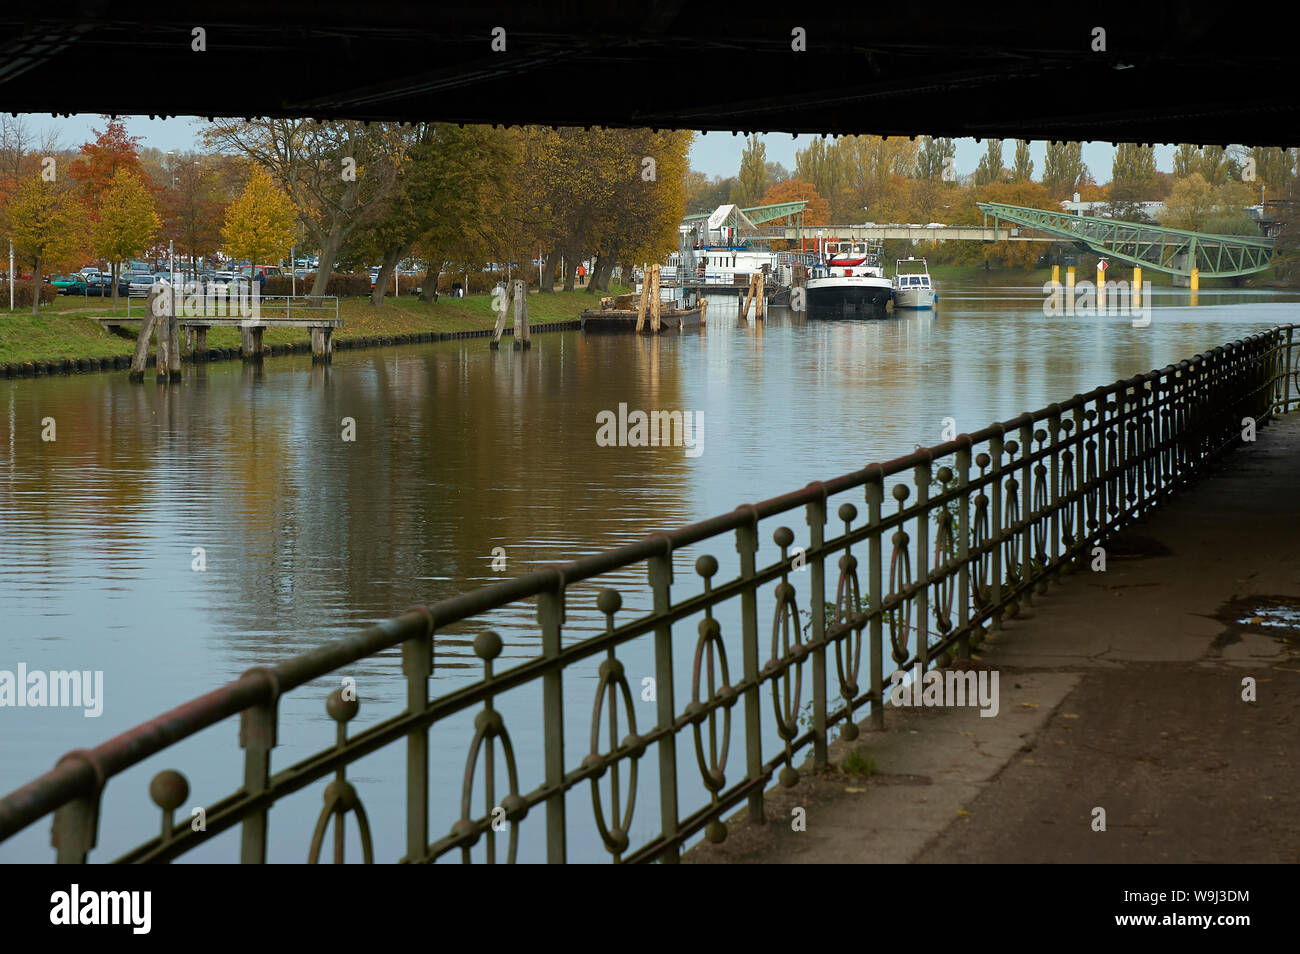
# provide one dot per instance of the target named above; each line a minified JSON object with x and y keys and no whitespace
{"x":44,"y":225}
{"x":260,"y":222}
{"x":127,"y":221}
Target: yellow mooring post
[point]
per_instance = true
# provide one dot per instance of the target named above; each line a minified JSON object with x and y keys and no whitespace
{"x":1056,"y":274}
{"x":704,"y":309}
{"x":1069,"y":281}
{"x":760,"y":299}
{"x":655,"y":304}
{"x":1195,"y":279}
{"x":1137,"y":286}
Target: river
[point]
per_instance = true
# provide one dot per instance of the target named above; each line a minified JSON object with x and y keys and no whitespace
{"x":459,"y":450}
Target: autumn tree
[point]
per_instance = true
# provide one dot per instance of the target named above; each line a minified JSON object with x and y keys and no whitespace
{"x":816,"y":212}
{"x":1022,"y":167}
{"x":127,"y":221}
{"x":193,"y":206}
{"x":99,"y":162}
{"x":45,"y":225}
{"x":260,"y":222}
{"x":338,"y":174}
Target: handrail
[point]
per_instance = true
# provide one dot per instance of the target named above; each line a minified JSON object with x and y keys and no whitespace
{"x":1000,"y":536}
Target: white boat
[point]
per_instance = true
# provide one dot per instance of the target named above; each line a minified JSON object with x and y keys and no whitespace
{"x":849,"y":280}
{"x":912,"y":287}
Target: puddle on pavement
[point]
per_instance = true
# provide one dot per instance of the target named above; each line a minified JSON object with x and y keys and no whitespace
{"x":1275,"y":616}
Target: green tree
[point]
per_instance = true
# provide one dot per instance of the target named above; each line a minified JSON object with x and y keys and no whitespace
{"x":260,"y":222}
{"x":751,"y":182}
{"x":44,"y":225}
{"x":990,"y":165}
{"x":933,"y":157}
{"x":1022,"y":167}
{"x":1133,"y":179}
{"x":1064,"y":169}
{"x":127,"y":221}
{"x":1187,"y":159}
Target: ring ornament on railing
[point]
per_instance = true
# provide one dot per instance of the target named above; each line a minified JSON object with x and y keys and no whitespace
{"x":713,"y":768}
{"x":900,"y":578}
{"x":613,"y":680}
{"x":488,"y":726}
{"x":847,"y":636}
{"x":786,"y":648}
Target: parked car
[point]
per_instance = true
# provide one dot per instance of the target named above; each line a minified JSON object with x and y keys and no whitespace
{"x":70,"y":284}
{"x":140,"y":284}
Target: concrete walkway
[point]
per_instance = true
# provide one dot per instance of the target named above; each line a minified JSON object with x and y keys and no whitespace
{"x":1120,"y":690}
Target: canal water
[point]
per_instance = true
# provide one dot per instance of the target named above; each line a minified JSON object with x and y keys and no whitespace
{"x":458,"y":451}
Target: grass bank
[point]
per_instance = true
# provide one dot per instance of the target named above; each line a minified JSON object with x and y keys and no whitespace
{"x":65,"y":329}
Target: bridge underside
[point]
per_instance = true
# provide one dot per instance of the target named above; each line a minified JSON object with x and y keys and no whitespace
{"x":1173,"y":251}
{"x":1030,"y":70}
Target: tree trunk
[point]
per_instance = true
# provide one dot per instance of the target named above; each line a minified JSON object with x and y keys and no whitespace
{"x":385,"y":276}
{"x":36,"y":287}
{"x":328,"y":254}
{"x":601,"y":274}
{"x":549,"y":271}
{"x":429,"y":287}
{"x":570,"y":273}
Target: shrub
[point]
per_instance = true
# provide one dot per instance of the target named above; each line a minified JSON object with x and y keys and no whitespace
{"x":23,"y":293}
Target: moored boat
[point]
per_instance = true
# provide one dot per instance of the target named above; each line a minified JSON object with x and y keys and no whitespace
{"x":618,"y":315}
{"x":848,"y":281}
{"x":912,"y":285}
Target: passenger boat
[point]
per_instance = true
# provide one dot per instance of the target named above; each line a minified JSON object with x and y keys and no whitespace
{"x":912,"y":287}
{"x":848,"y":280}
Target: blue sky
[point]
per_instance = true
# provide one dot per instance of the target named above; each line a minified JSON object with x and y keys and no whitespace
{"x":713,"y":154}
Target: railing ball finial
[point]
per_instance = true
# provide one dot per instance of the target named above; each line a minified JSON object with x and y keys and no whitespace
{"x":341,"y":709}
{"x":169,"y":789}
{"x":487,"y":645}
{"x":944,"y":474}
{"x":706,"y":566}
{"x":608,"y":601}
{"x":783,"y":537}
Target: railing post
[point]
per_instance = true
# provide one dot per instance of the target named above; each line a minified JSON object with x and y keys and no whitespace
{"x":875,"y":597}
{"x":995,"y":531}
{"x":816,"y":538}
{"x":1080,"y":475}
{"x":76,"y":822}
{"x":1027,"y":510}
{"x":921,"y":476}
{"x":1054,"y":494}
{"x":747,"y":547}
{"x":661,"y":578}
{"x":550,"y":615}
{"x":417,"y":666}
{"x":257,"y":736}
{"x":1286,"y":370}
{"x":963,"y":550}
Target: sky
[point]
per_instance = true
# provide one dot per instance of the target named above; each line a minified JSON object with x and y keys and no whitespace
{"x":715,"y":154}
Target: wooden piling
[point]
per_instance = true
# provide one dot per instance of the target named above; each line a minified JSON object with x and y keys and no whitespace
{"x":322,"y":345}
{"x":200,"y":349}
{"x":141,"y":357}
{"x":250,"y":340}
{"x":749,"y":296}
{"x":704,"y":310}
{"x":760,"y":299}
{"x":160,"y":304}
{"x":501,"y":317}
{"x":655,"y":304}
{"x":523,"y":337}
{"x":645,"y":298}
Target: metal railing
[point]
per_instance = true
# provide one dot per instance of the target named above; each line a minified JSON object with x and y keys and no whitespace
{"x":1007,"y":511}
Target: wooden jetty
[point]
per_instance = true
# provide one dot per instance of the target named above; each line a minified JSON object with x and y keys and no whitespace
{"x":645,"y":313}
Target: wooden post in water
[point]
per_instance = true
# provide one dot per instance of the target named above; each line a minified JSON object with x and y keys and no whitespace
{"x":173,"y":335}
{"x":760,"y":301}
{"x":704,"y":309}
{"x":523,"y":337}
{"x":141,"y":357}
{"x":160,"y":302}
{"x":645,"y":298}
{"x":749,"y":296}
{"x":655,"y":304}
{"x":200,"y":349}
{"x":501,"y":317}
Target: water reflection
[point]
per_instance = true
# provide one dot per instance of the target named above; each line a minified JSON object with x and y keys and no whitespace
{"x":459,"y":450}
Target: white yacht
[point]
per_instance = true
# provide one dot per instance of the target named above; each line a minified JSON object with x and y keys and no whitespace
{"x":912,"y":285}
{"x":848,"y":279}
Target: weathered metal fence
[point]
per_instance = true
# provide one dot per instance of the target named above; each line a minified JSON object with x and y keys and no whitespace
{"x":1018,"y":505}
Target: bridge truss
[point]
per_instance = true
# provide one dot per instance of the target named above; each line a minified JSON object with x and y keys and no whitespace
{"x":1174,"y":251}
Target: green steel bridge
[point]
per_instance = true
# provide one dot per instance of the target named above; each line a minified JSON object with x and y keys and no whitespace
{"x":1174,"y":251}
